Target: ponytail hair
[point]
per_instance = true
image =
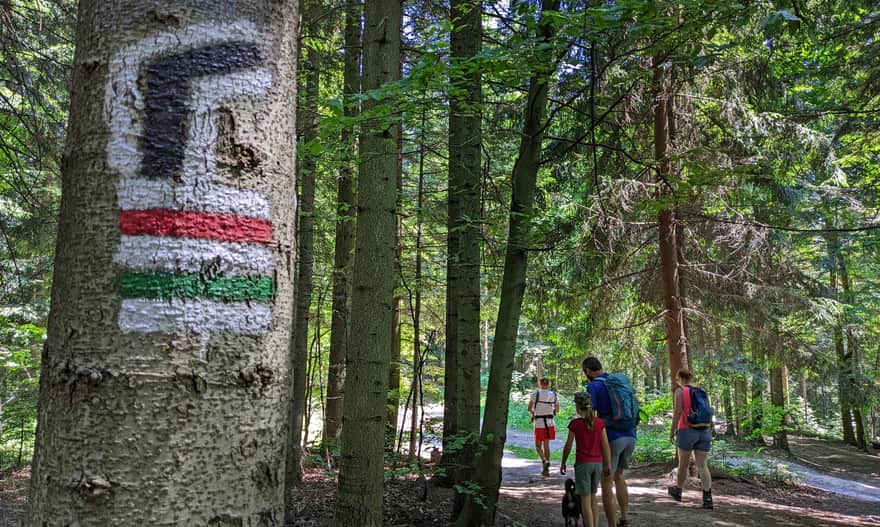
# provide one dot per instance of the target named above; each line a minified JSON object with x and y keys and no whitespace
{"x":584,"y":404}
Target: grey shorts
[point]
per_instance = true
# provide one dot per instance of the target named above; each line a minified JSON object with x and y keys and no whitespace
{"x":621,"y":452}
{"x":694,"y":439}
{"x":587,"y":477}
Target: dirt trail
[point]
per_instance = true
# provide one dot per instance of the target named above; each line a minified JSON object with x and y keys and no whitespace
{"x":528,"y":499}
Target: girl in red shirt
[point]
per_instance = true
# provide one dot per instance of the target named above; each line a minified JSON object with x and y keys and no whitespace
{"x":592,"y":456}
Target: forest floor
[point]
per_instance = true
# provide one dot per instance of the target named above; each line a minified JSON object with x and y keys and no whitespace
{"x":530,"y":500}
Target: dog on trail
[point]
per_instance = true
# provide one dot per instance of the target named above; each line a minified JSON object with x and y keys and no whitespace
{"x":571,"y":505}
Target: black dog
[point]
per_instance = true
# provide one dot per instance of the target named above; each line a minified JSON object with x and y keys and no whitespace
{"x":571,"y":505}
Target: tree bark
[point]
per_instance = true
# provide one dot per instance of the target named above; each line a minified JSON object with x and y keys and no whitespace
{"x":465,"y":140}
{"x":307,"y":118}
{"x":778,"y":389}
{"x":359,"y":496}
{"x":416,"y":385}
{"x":674,"y":316}
{"x":165,"y":382}
{"x":852,"y":364}
{"x":843,"y":362}
{"x":487,"y":469}
{"x":345,"y":211}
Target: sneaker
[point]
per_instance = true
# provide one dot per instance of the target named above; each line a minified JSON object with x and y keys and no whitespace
{"x":675,"y":492}
{"x":707,"y":499}
{"x":546,"y":471}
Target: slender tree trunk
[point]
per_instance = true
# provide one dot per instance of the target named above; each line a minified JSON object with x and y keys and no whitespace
{"x":359,"y":496}
{"x":417,"y":307}
{"x":307,"y":117}
{"x":843,"y":363}
{"x":740,"y":386}
{"x":343,"y":253}
{"x":674,"y":316}
{"x":167,"y":352}
{"x":851,"y":358}
{"x":393,"y":403}
{"x":480,"y":510}
{"x":778,"y":389}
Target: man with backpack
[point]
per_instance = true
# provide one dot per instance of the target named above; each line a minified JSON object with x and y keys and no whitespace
{"x":543,"y":406}
{"x":615,"y":402}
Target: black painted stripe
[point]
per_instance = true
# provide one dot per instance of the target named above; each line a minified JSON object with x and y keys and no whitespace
{"x":168,"y":85}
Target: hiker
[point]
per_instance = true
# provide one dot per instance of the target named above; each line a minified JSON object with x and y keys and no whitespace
{"x":691,"y":432}
{"x":543,"y":405}
{"x":592,"y":457}
{"x":621,"y":437}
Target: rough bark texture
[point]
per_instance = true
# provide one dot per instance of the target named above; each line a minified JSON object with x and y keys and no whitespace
{"x":165,"y":375}
{"x":359,"y":499}
{"x":487,"y":469}
{"x":676,"y":343}
{"x":307,"y":118}
{"x":343,"y":253}
{"x":465,"y":139}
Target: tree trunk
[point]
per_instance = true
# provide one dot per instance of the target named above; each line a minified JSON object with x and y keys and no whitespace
{"x":674,"y":316}
{"x":417,"y":305}
{"x":359,"y":496}
{"x":778,"y":389}
{"x":393,"y":404}
{"x":171,"y":301}
{"x":465,"y":143}
{"x":343,"y":253}
{"x":480,"y":510}
{"x":307,"y":118}
{"x":851,"y":357}
{"x":843,"y":363}
{"x":740,"y":386}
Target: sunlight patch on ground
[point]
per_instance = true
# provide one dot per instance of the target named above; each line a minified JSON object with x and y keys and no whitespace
{"x":773,"y":509}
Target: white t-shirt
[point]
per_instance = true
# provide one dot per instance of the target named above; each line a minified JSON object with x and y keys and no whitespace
{"x":543,"y":403}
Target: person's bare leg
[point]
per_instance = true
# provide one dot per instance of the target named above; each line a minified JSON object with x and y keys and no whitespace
{"x":622,"y":492}
{"x":539,"y":450}
{"x":684,"y":459}
{"x":703,"y":469}
{"x":587,"y":513}
{"x":608,"y":501}
{"x":547,"y":451}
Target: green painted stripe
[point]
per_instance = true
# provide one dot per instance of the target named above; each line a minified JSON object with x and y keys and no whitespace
{"x":193,"y":285}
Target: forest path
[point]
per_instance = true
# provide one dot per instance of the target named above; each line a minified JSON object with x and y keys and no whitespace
{"x":529,"y":499}
{"x":824,"y":465}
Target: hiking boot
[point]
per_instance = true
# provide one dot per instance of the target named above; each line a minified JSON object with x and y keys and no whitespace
{"x":707,"y":499}
{"x":675,"y":492}
{"x":546,"y":471}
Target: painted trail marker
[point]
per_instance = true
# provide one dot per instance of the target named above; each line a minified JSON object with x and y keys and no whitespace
{"x":196,"y":255}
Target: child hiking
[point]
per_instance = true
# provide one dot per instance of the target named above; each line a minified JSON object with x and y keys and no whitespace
{"x":543,"y":405}
{"x":592,"y":456}
{"x":692,"y":432}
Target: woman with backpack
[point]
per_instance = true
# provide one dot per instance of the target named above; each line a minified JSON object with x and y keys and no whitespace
{"x":691,"y":432}
{"x":592,"y":459}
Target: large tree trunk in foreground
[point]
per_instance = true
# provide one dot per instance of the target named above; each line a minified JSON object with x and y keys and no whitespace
{"x":465,"y":139}
{"x":165,"y":380}
{"x":359,"y":498}
{"x":676,"y":342}
{"x":343,"y":252}
{"x":487,"y":469}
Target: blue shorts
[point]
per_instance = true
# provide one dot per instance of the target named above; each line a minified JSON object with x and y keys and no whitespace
{"x":694,"y":439}
{"x":587,"y":477}
{"x":621,"y":452}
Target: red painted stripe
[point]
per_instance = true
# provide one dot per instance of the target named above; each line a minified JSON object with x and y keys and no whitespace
{"x":189,"y":224}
